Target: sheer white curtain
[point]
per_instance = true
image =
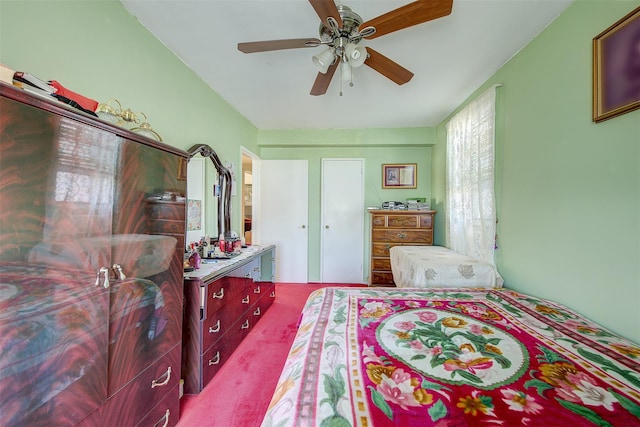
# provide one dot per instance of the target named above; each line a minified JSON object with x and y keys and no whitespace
{"x":471,"y":214}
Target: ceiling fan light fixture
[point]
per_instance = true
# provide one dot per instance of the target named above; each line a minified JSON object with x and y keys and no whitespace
{"x":356,"y":55}
{"x":324,"y":59}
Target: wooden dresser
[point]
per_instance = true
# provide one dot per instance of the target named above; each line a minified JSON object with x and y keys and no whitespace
{"x":395,"y":228}
{"x":222,"y":304}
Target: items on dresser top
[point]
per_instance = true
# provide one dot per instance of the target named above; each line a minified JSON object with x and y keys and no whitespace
{"x":395,"y":228}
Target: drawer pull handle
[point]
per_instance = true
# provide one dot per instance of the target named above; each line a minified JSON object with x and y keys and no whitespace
{"x":159,"y":383}
{"x":215,"y":360}
{"x":257,"y":312}
{"x":117,"y":269}
{"x":256,"y":290}
{"x":245,"y":300}
{"x":402,"y":236}
{"x":213,"y":330}
{"x":273,"y":294}
{"x":164,"y":421}
{"x":245,"y":325}
{"x":105,"y":272}
{"x":220,"y":294}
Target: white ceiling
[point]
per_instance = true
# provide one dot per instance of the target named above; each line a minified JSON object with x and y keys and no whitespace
{"x":450,"y":57}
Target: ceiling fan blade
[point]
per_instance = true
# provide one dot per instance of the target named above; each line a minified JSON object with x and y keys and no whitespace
{"x":321,"y":84}
{"x":267,"y":45}
{"x":415,"y":13}
{"x":388,"y":68}
{"x":325,"y":9}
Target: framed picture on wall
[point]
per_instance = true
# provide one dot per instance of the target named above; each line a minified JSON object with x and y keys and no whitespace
{"x":616,"y":68}
{"x":399,"y":175}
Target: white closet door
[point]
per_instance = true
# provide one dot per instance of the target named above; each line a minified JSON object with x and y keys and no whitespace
{"x":342,"y":228}
{"x":284,"y":216}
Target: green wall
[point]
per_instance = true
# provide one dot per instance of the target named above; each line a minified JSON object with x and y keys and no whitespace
{"x":96,"y":48}
{"x":568,"y":190}
{"x":372,"y":145}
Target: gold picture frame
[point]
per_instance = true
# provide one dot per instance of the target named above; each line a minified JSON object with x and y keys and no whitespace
{"x":616,"y":68}
{"x":399,"y":175}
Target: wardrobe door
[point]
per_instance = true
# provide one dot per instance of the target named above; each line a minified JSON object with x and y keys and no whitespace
{"x":149,"y":227}
{"x":56,"y":198}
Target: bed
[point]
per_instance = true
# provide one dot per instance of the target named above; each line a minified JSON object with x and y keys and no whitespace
{"x":437,"y":266}
{"x":452,"y":357}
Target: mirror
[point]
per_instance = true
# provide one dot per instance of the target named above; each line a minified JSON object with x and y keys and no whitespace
{"x":223,"y":185}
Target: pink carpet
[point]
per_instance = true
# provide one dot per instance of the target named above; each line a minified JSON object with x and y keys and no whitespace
{"x":239,"y":394}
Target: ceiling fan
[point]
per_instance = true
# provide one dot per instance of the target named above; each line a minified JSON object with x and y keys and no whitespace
{"x":341,"y":30}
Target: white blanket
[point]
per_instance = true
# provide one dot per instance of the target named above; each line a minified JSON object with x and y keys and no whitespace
{"x":436,"y":266}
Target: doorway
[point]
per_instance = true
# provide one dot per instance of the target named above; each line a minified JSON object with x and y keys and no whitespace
{"x":247,"y":173}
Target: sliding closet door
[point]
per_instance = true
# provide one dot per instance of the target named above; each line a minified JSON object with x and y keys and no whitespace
{"x":284,"y":216}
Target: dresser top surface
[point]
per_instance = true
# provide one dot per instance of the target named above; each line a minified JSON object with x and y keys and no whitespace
{"x":213,"y":268}
{"x":400,"y":212}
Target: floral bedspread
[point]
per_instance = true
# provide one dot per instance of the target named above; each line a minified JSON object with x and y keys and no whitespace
{"x":453,"y":357}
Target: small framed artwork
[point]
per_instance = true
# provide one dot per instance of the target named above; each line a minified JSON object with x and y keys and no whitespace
{"x":182,"y":170}
{"x":399,"y":175}
{"x":616,"y":68}
{"x":194,"y":215}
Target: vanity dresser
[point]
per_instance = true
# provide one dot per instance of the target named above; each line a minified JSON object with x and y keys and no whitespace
{"x":396,"y":228}
{"x":223,"y":301}
{"x":91,"y":289}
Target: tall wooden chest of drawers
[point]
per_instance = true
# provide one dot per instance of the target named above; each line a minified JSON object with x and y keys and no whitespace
{"x":396,"y":228}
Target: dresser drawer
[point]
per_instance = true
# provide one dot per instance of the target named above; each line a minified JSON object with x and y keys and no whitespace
{"x":402,"y":236}
{"x":218,"y":354}
{"x":268,"y":294}
{"x":130,"y":404}
{"x":409,"y":221}
{"x":166,"y":226}
{"x":215,"y":326}
{"x":175,"y":211}
{"x":381,"y":249}
{"x":402,"y":220}
{"x":381,"y":264}
{"x":166,"y":413}
{"x":382,"y":278}
{"x":218,"y":295}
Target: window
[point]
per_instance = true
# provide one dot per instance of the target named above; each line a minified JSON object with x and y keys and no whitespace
{"x":471,"y":215}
